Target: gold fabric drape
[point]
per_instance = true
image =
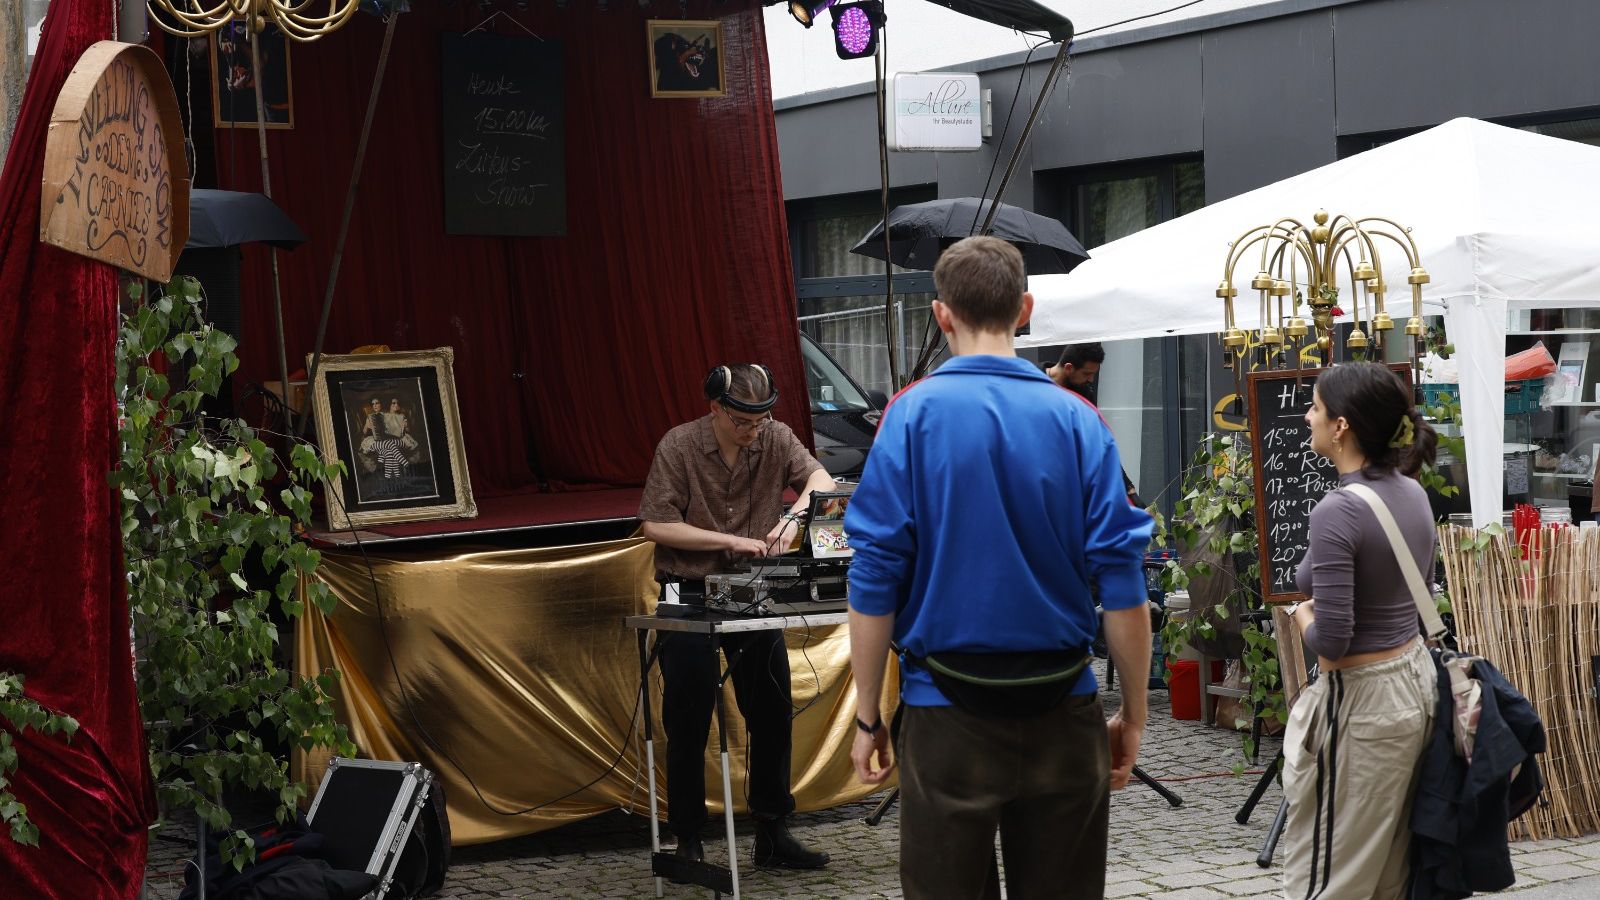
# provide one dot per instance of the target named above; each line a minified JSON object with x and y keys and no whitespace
{"x":514,"y":667}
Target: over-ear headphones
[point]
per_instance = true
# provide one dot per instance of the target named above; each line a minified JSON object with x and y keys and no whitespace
{"x":719,"y":382}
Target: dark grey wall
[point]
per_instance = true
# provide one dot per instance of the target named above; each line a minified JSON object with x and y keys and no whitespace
{"x":1140,"y":101}
{"x":1420,"y":62}
{"x":1262,"y":98}
{"x":1268,"y":101}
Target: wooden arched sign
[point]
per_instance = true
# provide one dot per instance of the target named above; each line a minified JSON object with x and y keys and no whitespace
{"x":116,"y":185}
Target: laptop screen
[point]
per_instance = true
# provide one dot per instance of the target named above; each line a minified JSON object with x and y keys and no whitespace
{"x":825,"y":531}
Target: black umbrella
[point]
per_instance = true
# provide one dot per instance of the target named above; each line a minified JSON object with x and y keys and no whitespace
{"x":230,"y":218}
{"x":919,"y":232}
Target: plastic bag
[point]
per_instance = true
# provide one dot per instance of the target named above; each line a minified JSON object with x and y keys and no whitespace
{"x":1438,"y":370}
{"x":1534,"y":362}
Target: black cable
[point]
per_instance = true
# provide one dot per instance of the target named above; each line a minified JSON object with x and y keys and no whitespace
{"x":1004,"y":130}
{"x":930,"y":347}
{"x":1137,"y":18}
{"x":405,"y":697}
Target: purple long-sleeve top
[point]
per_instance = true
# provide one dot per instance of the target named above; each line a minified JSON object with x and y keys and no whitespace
{"x":1362,"y":601}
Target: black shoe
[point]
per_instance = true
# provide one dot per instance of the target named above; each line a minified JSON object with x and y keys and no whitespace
{"x":776,"y":848}
{"x":689,"y":850}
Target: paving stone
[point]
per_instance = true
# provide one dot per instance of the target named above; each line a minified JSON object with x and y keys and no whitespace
{"x":1192,"y":852}
{"x":1545,"y":858}
{"x":1194,"y":893}
{"x":1130,"y":889}
{"x":1559,"y":872}
{"x":1264,"y":885}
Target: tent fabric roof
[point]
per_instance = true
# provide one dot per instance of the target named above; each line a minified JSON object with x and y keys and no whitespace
{"x":1022,"y":15}
{"x":1497,"y":213}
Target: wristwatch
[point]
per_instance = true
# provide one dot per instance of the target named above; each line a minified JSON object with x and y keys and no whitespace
{"x":870,"y":729}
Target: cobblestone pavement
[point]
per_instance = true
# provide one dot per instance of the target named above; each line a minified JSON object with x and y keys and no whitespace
{"x":1193,"y":852}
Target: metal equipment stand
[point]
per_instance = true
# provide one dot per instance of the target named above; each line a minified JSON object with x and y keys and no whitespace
{"x":718,"y":879}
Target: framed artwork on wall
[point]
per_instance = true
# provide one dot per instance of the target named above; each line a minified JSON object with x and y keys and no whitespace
{"x":685,"y":58}
{"x":233,"y":78}
{"x":392,"y":419}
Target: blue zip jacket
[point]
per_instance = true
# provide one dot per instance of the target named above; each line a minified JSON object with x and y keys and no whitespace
{"x":991,"y":516}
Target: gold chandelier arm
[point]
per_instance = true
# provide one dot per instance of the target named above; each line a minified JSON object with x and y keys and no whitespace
{"x":304,"y":28}
{"x":187,"y":18}
{"x":1413,"y":256}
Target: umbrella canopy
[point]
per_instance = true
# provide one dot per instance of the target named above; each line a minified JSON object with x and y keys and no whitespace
{"x":230,"y":218}
{"x":919,"y":232}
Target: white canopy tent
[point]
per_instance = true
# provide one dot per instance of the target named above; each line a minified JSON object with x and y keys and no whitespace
{"x":1503,"y":219}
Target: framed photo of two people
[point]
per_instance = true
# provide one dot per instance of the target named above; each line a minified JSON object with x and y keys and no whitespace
{"x":392,"y":419}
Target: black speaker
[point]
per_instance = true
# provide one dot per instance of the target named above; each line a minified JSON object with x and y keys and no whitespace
{"x":217,"y":270}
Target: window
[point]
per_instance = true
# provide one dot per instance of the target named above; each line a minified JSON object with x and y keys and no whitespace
{"x":841,"y":294}
{"x":1153,"y":393}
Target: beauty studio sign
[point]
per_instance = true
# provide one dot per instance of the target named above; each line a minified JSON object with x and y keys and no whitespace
{"x":935,"y":111}
{"x":116,"y":185}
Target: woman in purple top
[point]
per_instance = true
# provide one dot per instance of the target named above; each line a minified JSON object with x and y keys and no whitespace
{"x":1356,"y":735}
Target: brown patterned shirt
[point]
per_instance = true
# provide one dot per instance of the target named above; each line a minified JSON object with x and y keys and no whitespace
{"x":689,"y":482}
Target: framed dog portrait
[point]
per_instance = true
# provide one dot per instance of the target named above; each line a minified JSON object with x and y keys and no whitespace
{"x":233,"y":78}
{"x":392,"y":419}
{"x":685,"y":58}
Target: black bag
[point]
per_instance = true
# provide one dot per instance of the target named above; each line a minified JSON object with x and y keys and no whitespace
{"x":1009,"y":685}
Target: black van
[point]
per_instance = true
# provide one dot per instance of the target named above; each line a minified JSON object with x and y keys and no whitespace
{"x":844,"y":416}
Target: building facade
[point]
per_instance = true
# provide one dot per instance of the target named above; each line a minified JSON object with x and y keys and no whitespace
{"x":1150,"y":123}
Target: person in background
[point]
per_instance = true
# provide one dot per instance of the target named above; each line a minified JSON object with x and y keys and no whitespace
{"x":714,"y":496}
{"x":1078,"y":370}
{"x":959,"y":554}
{"x":1354,"y":743}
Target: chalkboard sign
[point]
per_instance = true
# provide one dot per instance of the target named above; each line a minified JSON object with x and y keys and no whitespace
{"x":1290,"y":477}
{"x":504,"y":133}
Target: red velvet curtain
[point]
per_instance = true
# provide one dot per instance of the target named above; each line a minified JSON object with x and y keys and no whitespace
{"x":579,"y":351}
{"x":64,"y":612}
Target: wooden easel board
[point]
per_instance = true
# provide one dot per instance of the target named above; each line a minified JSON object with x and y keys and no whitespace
{"x":1293,"y":667}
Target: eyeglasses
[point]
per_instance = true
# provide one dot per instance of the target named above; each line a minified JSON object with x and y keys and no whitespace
{"x":740,"y":423}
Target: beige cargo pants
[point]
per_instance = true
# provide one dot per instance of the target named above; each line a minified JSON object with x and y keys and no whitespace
{"x":1351,"y":755}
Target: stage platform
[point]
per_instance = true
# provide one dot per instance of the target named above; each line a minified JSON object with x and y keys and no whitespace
{"x":535,"y":517}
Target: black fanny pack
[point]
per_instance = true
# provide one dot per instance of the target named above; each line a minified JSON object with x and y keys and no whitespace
{"x":1009,"y":685}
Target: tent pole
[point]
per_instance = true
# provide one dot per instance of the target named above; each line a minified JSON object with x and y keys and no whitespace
{"x":1022,"y":142}
{"x":349,"y":208}
{"x":266,"y":188}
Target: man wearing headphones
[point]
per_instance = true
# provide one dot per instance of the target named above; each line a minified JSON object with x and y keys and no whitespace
{"x":714,"y":495}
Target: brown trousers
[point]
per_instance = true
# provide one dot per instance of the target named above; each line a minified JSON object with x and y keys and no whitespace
{"x":1042,"y":781}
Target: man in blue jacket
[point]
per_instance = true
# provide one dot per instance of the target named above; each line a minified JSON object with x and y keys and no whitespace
{"x":989,"y":521}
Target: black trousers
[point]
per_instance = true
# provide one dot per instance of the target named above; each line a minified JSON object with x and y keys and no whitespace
{"x":760,"y":673}
{"x":1043,"y":782}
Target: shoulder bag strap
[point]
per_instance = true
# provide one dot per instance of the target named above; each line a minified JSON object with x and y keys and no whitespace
{"x":1431,"y":623}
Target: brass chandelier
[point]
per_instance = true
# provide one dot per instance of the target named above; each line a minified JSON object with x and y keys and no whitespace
{"x":1325,"y":250}
{"x":299,"y":20}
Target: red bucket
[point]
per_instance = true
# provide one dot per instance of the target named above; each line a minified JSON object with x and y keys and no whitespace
{"x":1183,"y":687}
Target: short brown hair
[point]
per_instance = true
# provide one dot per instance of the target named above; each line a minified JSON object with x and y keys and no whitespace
{"x":982,"y":280}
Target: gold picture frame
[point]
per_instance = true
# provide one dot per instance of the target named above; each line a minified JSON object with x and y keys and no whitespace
{"x":392,"y":419}
{"x":233,"y":95}
{"x":686,"y":58}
